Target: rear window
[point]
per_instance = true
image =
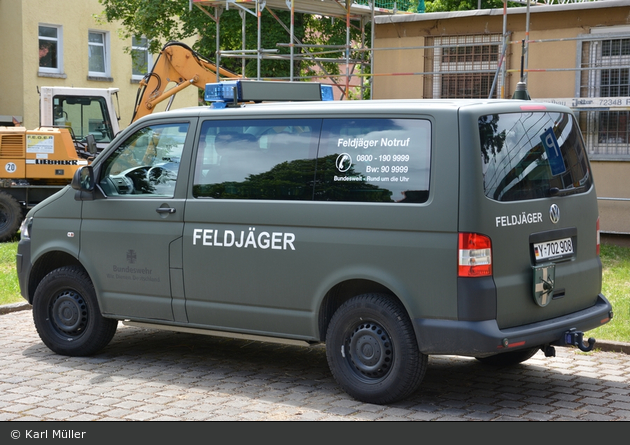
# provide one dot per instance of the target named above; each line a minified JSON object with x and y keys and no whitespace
{"x":532,"y":155}
{"x":374,"y":160}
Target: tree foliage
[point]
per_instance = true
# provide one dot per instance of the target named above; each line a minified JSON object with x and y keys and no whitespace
{"x":163,"y":21}
{"x":287,"y":181}
{"x":464,"y":5}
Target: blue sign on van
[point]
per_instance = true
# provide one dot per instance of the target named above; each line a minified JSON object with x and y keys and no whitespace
{"x":554,"y":155}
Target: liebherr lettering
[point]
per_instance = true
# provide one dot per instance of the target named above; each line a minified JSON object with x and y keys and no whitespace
{"x":244,"y":239}
{"x":56,"y":162}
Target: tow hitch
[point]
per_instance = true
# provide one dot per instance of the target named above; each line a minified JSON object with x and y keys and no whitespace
{"x":576,"y":338}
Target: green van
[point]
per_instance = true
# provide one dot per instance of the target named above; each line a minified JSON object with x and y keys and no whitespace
{"x":388,"y":230}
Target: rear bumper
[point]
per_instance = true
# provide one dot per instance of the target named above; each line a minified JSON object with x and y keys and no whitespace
{"x":483,"y":338}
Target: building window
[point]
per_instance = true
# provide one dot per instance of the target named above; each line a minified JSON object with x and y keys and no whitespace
{"x":605,"y":73}
{"x":463,"y":66}
{"x":141,"y":59}
{"x":50,"y":49}
{"x":98,"y":64}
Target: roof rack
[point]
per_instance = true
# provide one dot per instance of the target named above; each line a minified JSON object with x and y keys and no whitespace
{"x":233,"y":92}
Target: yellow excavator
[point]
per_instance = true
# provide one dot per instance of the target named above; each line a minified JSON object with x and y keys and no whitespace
{"x":180,"y":64}
{"x":76,"y":123}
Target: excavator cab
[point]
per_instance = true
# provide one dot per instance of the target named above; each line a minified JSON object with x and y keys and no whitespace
{"x":84,"y":115}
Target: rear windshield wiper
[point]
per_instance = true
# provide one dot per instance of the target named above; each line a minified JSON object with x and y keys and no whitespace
{"x":555,"y":191}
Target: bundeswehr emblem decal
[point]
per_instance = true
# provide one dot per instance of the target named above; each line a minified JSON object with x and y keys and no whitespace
{"x":544,"y":279}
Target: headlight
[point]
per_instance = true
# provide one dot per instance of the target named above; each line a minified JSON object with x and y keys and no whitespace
{"x":25,"y":228}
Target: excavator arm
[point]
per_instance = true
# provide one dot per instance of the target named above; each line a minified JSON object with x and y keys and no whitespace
{"x":177,"y":63}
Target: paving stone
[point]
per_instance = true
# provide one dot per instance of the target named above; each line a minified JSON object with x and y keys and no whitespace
{"x":146,"y":375}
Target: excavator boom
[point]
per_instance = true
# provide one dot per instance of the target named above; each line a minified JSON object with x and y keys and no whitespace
{"x":177,"y":63}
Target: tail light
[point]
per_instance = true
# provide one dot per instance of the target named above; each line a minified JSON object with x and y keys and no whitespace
{"x":474,"y":255}
{"x":598,"y":239}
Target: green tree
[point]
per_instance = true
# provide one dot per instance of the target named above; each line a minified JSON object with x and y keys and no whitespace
{"x":464,"y":5}
{"x":287,"y":181}
{"x":174,"y":20}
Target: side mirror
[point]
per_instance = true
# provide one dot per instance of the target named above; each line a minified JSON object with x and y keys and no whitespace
{"x":83,"y":179}
{"x":91,"y":144}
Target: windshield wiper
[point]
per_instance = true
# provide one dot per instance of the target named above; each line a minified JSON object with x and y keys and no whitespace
{"x":555,"y":191}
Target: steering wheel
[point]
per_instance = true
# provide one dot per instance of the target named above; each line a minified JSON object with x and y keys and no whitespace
{"x":157,"y":175}
{"x":121,"y":184}
{"x":131,"y":181}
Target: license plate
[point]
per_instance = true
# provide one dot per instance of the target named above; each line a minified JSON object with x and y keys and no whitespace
{"x":553,"y":249}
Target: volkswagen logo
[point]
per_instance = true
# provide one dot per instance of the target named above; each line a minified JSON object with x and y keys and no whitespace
{"x":554,"y":213}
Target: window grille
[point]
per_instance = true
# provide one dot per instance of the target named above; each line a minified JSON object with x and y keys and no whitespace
{"x":463,"y":66}
{"x":606,"y":73}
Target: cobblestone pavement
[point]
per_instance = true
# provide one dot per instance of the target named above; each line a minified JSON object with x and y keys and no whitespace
{"x":164,"y":376}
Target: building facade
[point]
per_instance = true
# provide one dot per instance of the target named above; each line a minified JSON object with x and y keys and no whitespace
{"x":578,"y":53}
{"x":65,"y":43}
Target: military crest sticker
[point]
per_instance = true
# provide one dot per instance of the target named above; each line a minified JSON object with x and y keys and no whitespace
{"x":544,"y":280}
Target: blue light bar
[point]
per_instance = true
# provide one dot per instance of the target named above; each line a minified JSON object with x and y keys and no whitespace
{"x":327,"y":92}
{"x":238,"y":91}
{"x":223,"y":91}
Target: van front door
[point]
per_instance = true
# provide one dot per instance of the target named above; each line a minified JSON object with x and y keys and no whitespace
{"x":128,"y":238}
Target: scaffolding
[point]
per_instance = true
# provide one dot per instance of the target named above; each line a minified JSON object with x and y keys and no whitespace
{"x":457,"y":65}
{"x":361,"y":11}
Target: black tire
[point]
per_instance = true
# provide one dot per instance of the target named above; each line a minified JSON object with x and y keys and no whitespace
{"x":67,"y":316}
{"x":372,"y":350}
{"x":10,"y":216}
{"x":509,"y":358}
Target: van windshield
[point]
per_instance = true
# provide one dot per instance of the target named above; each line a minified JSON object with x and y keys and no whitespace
{"x":532,"y":155}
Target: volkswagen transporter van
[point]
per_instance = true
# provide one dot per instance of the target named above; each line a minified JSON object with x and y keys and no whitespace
{"x":388,"y":230}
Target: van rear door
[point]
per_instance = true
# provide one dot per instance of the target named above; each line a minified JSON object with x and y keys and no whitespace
{"x":533,"y":196}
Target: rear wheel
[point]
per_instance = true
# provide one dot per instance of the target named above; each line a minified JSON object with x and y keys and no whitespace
{"x":67,"y":316}
{"x":372,"y":350}
{"x":10,"y":216}
{"x":509,"y":358}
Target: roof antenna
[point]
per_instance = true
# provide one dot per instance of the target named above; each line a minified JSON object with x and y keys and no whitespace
{"x":521,"y":87}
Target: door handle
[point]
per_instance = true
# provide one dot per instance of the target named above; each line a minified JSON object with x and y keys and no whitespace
{"x":165,"y":210}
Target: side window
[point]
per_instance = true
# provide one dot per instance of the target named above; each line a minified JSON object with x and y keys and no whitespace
{"x":50,"y":49}
{"x":141,"y":59}
{"x":98,"y":54}
{"x":146,"y":163}
{"x":257,"y":159}
{"x":374,"y":160}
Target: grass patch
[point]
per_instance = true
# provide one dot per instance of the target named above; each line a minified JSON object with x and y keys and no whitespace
{"x":616,"y":287}
{"x":9,"y":287}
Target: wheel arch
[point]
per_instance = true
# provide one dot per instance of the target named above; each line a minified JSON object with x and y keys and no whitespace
{"x":342,"y":292}
{"x":46,"y":264}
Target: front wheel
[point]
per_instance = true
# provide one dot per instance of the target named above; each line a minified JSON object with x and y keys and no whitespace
{"x":372,"y":350}
{"x":67,"y":316}
{"x":10,"y":216}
